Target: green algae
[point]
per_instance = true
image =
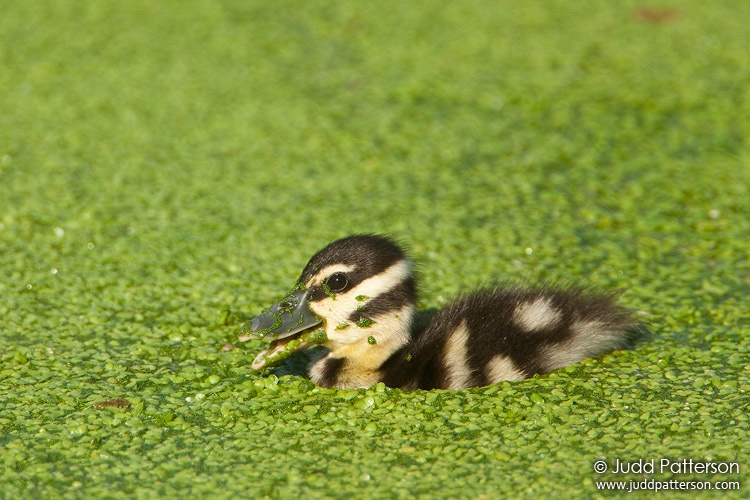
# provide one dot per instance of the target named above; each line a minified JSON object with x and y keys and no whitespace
{"x":328,"y":291}
{"x":246,"y":328}
{"x":598,"y":154}
{"x":317,"y":336}
{"x":277,"y":356}
{"x":361,"y":298}
{"x":363,"y":322}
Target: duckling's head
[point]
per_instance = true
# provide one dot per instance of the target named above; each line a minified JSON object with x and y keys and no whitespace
{"x":356,"y":297}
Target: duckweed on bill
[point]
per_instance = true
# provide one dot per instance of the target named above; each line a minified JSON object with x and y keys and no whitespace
{"x":246,"y":332}
{"x":317,"y":336}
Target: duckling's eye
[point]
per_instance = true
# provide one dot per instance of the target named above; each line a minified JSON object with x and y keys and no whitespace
{"x":337,"y":282}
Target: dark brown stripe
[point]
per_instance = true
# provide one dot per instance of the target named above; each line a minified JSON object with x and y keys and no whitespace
{"x":392,"y":300}
{"x":330,"y":373}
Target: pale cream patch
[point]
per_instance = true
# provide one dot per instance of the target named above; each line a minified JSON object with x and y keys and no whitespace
{"x":537,"y":315}
{"x":589,"y":339}
{"x":315,"y":370}
{"x":348,"y":340}
{"x":337,"y":310}
{"x":359,"y":371}
{"x":390,"y":331}
{"x":383,"y":282}
{"x":502,"y":368}
{"x":456,"y":358}
{"x":348,"y":378}
{"x":327,"y":271}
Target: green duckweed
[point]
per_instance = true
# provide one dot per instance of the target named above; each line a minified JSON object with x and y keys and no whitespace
{"x":197,"y":157}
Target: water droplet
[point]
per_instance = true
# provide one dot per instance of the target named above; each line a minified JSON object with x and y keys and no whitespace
{"x":714,"y":214}
{"x":6,"y":159}
{"x":59,"y":232}
{"x":53,"y":270}
{"x":29,"y":286}
{"x":528,"y":251}
{"x":90,"y":246}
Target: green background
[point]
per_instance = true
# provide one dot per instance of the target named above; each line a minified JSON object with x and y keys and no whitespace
{"x":167,"y":168}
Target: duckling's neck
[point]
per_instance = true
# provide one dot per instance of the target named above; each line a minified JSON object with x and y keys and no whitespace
{"x":355,"y":362}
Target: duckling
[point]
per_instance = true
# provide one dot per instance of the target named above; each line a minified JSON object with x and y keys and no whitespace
{"x":357,"y":298}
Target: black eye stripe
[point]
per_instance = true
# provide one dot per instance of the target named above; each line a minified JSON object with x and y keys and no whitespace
{"x":392,"y":301}
{"x":337,"y":282}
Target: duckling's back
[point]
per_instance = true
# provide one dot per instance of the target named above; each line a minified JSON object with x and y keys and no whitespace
{"x":508,"y":334}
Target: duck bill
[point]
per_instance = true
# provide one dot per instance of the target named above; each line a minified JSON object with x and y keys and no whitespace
{"x":289,"y":324}
{"x":289,"y":316}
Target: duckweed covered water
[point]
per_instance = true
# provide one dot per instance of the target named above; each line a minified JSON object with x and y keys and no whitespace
{"x":141,"y":224}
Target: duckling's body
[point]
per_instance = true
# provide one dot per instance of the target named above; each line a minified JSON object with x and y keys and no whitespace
{"x":362,"y":296}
